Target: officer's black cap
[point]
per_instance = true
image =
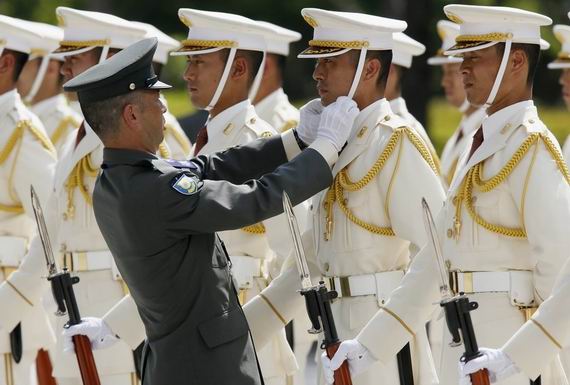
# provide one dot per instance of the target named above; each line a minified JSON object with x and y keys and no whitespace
{"x":126,"y":71}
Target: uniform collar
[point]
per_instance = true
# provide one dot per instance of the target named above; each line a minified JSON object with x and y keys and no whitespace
{"x":268,"y":102}
{"x":507,"y":117}
{"x":48,"y":105}
{"x":122,"y":156}
{"x":8,"y":100}
{"x":379,"y":109}
{"x":399,"y":106}
{"x":472,"y":122}
{"x":218,"y":123}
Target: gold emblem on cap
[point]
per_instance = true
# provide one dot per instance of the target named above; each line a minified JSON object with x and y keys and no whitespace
{"x":132,"y":86}
{"x":560,"y":37}
{"x":60,"y":20}
{"x":453,"y":17}
{"x":312,"y":22}
{"x":185,"y":20}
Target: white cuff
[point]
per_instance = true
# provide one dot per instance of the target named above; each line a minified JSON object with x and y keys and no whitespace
{"x":124,"y":321}
{"x":326,"y":149}
{"x":290,"y":144}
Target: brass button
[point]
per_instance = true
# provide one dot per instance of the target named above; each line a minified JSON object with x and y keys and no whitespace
{"x":326,"y":266}
{"x":449,"y":233}
{"x":387,"y":118}
{"x":531,"y":121}
{"x":252,"y":121}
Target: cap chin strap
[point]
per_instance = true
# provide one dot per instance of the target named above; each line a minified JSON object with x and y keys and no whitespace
{"x":500,"y":74}
{"x":104,"y":54}
{"x":38,"y":80}
{"x":257,"y":81}
{"x":358,"y":73}
{"x":223,"y":79}
{"x":464,"y":106}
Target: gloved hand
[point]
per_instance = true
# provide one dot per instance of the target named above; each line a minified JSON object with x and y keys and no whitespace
{"x":495,"y":361}
{"x":359,"y":359}
{"x":310,"y":115}
{"x":98,"y":332}
{"x":337,"y":120}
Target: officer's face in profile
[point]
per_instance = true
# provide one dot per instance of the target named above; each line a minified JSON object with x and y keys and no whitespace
{"x":452,"y":84}
{"x":565,"y":83}
{"x":334,"y":76}
{"x":202,"y":75}
{"x":479,"y":69}
{"x":151,"y":112}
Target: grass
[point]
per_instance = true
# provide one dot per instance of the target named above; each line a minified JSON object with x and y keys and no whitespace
{"x":442,"y":118}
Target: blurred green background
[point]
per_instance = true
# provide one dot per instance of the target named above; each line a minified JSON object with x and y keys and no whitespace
{"x":421,"y":84}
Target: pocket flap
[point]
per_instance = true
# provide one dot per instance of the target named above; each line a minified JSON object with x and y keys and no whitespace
{"x":224,"y":328}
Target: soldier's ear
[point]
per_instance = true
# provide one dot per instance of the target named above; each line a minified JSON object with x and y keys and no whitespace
{"x":239,"y":67}
{"x":518,"y":60}
{"x":7,"y":62}
{"x":371,"y":70}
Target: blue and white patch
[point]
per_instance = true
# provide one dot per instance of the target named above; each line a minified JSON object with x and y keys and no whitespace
{"x":186,"y":184}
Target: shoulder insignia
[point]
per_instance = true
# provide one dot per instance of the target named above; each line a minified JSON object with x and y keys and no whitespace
{"x":292,"y":123}
{"x":392,"y":121}
{"x":266,"y":134}
{"x":185,"y":184}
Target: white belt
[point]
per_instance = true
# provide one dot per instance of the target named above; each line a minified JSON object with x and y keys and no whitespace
{"x":518,"y":284}
{"x":245,"y":269}
{"x":12,"y":250}
{"x":380,"y":284}
{"x":80,"y":261}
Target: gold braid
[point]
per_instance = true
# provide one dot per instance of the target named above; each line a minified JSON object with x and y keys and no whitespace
{"x":77,"y":180}
{"x":342,"y":182}
{"x":258,"y":228}
{"x":163,"y":150}
{"x":473,"y":178}
{"x":62,"y":127}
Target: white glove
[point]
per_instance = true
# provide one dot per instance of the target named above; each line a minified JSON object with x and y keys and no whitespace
{"x":337,"y":120}
{"x":310,"y":116}
{"x":359,"y":359}
{"x":495,"y":361}
{"x":98,"y":332}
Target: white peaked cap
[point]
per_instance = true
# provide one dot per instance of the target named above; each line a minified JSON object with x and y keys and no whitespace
{"x":16,"y":35}
{"x":338,"y":32}
{"x":278,"y":38}
{"x":83,"y":30}
{"x":166,"y":44}
{"x":447,"y":32}
{"x":562,"y":33}
{"x":405,"y":48}
{"x":213,"y":31}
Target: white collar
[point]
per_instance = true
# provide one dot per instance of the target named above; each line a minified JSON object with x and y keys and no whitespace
{"x":219,"y":122}
{"x":270,"y":100}
{"x":8,"y":100}
{"x":48,"y":105}
{"x":493,"y":124}
{"x":399,"y":106}
{"x":472,"y":122}
{"x":379,"y":108}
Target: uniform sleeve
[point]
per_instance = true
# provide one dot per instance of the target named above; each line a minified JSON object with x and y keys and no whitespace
{"x":412,"y":180}
{"x":407,"y":310}
{"x":540,"y":339}
{"x":543,"y":196}
{"x":23,"y":289}
{"x":124,"y":320}
{"x":218,"y":205}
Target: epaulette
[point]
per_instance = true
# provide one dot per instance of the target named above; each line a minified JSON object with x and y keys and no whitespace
{"x":393,"y":122}
{"x":261,"y":128}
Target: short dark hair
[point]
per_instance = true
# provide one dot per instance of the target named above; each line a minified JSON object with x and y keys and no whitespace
{"x":532,"y":52}
{"x":253,"y":58}
{"x":20,"y":60}
{"x":385,"y":59}
{"x":104,"y":115}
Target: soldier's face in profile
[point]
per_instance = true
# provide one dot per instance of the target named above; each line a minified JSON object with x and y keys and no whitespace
{"x":203,"y":72}
{"x":565,"y":83}
{"x":27,"y":76}
{"x":479,"y":69}
{"x":452,"y":84}
{"x":334,"y":76}
{"x":74,"y":65}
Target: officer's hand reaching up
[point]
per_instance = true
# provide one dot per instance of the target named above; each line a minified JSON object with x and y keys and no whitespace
{"x":98,"y":332}
{"x":495,"y":361}
{"x":358,"y":357}
{"x":336,"y":121}
{"x":309,"y":118}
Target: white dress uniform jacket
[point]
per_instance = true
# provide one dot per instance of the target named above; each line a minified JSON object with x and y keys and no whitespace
{"x":276,"y":110}
{"x":504,"y":237}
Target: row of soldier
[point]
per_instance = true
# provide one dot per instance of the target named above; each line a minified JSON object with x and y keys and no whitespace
{"x":504,"y":241}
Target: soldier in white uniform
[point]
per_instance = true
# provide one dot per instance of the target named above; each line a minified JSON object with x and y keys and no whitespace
{"x":27,"y":158}
{"x":405,"y":49}
{"x":562,"y":62}
{"x":89,"y":37}
{"x":503,"y":239}
{"x":177,"y":141}
{"x":271,"y":103}
{"x":362,"y":232}
{"x":41,"y":86}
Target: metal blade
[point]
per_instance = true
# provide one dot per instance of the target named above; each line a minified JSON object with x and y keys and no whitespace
{"x":43,"y":233}
{"x":300,"y":258}
{"x":431,"y":230}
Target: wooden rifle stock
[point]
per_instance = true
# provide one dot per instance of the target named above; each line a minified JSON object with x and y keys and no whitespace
{"x":44,"y":368}
{"x":86,"y":360}
{"x":480,"y":378}
{"x":342,"y":374}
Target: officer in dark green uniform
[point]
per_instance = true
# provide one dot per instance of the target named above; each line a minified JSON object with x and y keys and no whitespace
{"x":160,"y":217}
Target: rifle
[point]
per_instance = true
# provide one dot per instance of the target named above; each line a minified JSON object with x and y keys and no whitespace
{"x":457,"y":308}
{"x":62,"y":290}
{"x":317,"y":298}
